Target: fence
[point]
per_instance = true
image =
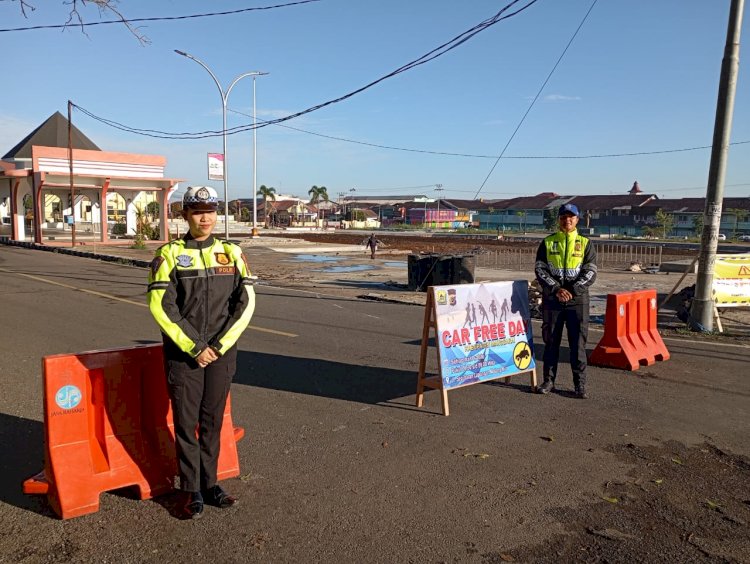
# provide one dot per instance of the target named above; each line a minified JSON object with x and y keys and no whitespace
{"x":608,"y":256}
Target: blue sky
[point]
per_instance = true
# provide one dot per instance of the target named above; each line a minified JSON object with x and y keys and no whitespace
{"x":641,"y":76}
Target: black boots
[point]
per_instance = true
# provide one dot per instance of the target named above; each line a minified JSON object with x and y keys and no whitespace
{"x":549,"y":386}
{"x":194,"y":506}
{"x":546,"y":387}
{"x":217,"y":497}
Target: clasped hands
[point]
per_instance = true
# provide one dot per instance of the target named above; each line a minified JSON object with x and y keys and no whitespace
{"x":207,"y":356}
{"x":564,"y":295}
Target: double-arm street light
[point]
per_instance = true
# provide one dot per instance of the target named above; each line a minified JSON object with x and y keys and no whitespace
{"x":224,"y":97}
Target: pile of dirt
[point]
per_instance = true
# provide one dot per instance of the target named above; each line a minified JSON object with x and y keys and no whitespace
{"x":681,"y":505}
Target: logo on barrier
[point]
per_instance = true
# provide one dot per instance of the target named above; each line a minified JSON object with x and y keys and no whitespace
{"x":622,"y":310}
{"x":68,"y":397}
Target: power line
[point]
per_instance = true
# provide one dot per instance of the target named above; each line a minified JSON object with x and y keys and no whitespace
{"x":546,"y":80}
{"x":475,"y":156}
{"x":157,"y":19}
{"x":427,"y":57}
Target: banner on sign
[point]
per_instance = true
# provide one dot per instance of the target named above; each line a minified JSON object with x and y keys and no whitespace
{"x":731,"y":285}
{"x":483,"y":331}
{"x":215,"y":166}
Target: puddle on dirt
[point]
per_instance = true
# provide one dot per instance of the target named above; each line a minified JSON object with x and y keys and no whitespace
{"x":393,"y":264}
{"x":355,"y":268}
{"x":314,"y":258}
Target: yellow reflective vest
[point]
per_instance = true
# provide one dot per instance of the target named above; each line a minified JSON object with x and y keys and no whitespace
{"x":200,"y":293}
{"x":566,"y":260}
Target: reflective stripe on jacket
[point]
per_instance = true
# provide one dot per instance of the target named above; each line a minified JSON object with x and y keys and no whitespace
{"x":566,"y":260}
{"x":200,"y":293}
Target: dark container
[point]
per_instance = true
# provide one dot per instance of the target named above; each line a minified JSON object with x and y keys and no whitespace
{"x":440,"y":270}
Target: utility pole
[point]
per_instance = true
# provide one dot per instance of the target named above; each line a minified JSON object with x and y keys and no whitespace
{"x":72,"y":188}
{"x":702,"y":310}
{"x":438,"y":189}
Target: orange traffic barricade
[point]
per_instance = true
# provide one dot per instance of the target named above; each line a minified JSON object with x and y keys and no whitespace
{"x":631,"y":338}
{"x":108,"y":425}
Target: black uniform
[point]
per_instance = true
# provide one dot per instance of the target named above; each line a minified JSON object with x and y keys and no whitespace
{"x":565,"y":260}
{"x":200,"y":293}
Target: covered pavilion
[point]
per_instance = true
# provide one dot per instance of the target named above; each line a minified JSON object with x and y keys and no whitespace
{"x":110,"y":189}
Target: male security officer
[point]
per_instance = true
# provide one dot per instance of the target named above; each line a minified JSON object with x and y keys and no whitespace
{"x":200,"y":294}
{"x":565,"y":268}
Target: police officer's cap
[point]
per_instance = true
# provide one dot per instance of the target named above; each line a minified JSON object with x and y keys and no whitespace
{"x":568,"y":209}
{"x":200,"y":197}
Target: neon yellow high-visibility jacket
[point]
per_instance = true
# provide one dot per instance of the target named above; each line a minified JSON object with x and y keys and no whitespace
{"x":566,"y":260}
{"x":200,"y":293}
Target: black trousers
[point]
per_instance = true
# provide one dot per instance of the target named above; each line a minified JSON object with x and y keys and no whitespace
{"x":575,"y":318}
{"x":199,"y":396}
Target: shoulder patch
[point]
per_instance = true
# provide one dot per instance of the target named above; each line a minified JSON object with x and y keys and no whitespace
{"x":155,"y":264}
{"x":184,"y":261}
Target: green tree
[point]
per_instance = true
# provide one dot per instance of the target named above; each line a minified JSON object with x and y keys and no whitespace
{"x":268,"y":193}
{"x":318,"y":193}
{"x":550,"y":221}
{"x":152,"y":210}
{"x":698,"y":225}
{"x":664,"y":223}
{"x":522,"y":219}
{"x":739,"y":215}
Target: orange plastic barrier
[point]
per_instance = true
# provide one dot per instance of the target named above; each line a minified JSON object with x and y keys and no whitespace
{"x":631,"y":338}
{"x":108,"y":425}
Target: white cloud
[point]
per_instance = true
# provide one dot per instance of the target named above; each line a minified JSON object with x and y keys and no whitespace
{"x":560,"y":98}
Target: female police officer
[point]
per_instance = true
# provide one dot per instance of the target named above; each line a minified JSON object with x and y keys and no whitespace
{"x":200,"y":294}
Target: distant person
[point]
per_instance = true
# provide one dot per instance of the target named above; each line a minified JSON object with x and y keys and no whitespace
{"x":201,"y":296}
{"x":565,"y":268}
{"x":372,"y":244}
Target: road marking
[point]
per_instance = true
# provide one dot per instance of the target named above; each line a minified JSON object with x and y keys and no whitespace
{"x":125,"y":300}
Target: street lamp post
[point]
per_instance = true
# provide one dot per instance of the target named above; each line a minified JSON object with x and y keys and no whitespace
{"x":255,"y":163}
{"x":224,"y":97}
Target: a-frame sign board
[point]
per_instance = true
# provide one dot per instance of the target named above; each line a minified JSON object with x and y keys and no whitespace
{"x":497,"y":345}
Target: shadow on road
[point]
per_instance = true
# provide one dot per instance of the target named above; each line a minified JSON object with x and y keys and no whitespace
{"x":23,"y":457}
{"x":365,"y":384}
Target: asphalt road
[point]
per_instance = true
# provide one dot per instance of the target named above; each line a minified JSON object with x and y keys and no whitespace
{"x":337,"y":464}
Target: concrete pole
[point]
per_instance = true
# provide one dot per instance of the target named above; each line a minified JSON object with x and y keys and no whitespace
{"x":703,"y":304}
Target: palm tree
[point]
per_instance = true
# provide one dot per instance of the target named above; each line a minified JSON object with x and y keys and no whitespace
{"x":268,"y":193}
{"x":318,"y":193}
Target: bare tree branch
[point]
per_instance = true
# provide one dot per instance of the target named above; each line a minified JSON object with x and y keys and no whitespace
{"x":75,"y":18}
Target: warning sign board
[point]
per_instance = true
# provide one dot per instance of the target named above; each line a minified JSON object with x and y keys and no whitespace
{"x":731,"y":287}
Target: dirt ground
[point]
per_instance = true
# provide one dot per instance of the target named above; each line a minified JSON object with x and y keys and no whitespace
{"x":678,"y":503}
{"x":389,"y":283}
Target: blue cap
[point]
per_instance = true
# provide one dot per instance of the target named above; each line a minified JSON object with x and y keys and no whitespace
{"x":568,"y":209}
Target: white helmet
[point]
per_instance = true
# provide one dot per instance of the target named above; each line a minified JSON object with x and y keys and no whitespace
{"x":200,"y":197}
